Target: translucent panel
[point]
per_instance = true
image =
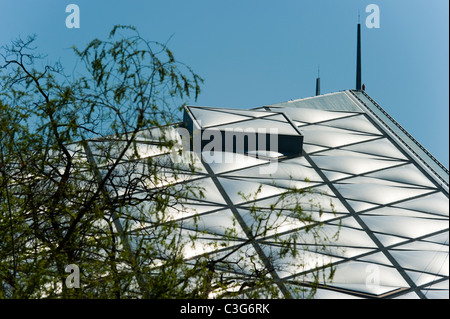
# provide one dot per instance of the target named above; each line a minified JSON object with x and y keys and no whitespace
{"x":347,"y":237}
{"x":274,"y":222}
{"x":375,"y":181}
{"x":264,"y":171}
{"x":226,"y":161}
{"x":331,"y":294}
{"x":309,"y":148}
{"x":281,"y":171}
{"x":311,"y":115}
{"x":145,"y":150}
{"x":276,"y":126}
{"x":367,"y":278}
{"x":250,"y":113}
{"x":395,"y":225}
{"x":436,"y":294}
{"x":242,"y":260}
{"x":409,"y":295}
{"x":288,"y":184}
{"x":348,"y":221}
{"x":351,"y":237}
{"x":309,"y":201}
{"x":279,"y":117}
{"x":439,"y":238}
{"x":388,"y":240}
{"x":436,"y":203}
{"x":361,"y":206}
{"x":298,"y":123}
{"x":377,"y":194}
{"x":331,"y":137}
{"x":357,"y":123}
{"x":365,"y":288}
{"x":210,"y":117}
{"x":421,"y":278}
{"x":440,"y":285}
{"x":263,"y":153}
{"x":138,"y":176}
{"x":304,"y":261}
{"x":423,"y":245}
{"x":404,"y":174}
{"x":196,"y":243}
{"x":187,"y":161}
{"x":168,"y":133}
{"x":186,"y":209}
{"x":350,"y":164}
{"x":298,"y":160}
{"x":112,"y":150}
{"x":378,"y":258}
{"x":241,"y":191}
{"x":177,"y":210}
{"x":332,"y":175}
{"x":211,"y":193}
{"x":220,"y":223}
{"x":425,"y":261}
{"x":347,"y":252}
{"x":380,"y":147}
{"x":321,"y":216}
{"x":348,"y":153}
{"x":392,"y":211}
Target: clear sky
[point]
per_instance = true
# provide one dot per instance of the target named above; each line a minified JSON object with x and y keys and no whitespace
{"x":258,"y":52}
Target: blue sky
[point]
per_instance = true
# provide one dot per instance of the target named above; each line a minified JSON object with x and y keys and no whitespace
{"x":258,"y":52}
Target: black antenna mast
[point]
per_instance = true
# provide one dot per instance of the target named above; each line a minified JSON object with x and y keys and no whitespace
{"x":358,"y":57}
{"x":318,"y":81}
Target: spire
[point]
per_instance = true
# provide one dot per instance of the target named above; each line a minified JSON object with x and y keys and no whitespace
{"x":318,"y":81}
{"x":358,"y":57}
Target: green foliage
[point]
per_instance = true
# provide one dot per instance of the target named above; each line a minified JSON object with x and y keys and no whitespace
{"x":60,"y":199}
{"x":86,"y":178}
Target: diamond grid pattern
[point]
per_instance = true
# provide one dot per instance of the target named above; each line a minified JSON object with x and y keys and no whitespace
{"x":391,"y":216}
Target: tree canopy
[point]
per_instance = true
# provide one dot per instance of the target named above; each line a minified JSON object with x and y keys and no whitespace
{"x":87,"y":178}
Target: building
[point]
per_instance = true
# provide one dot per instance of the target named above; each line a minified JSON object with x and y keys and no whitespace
{"x":390,"y":195}
{"x":380,"y":197}
{"x":327,"y":194}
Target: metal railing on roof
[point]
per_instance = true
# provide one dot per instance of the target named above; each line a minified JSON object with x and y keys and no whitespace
{"x":406,"y":133}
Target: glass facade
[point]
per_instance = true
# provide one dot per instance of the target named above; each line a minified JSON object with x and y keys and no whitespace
{"x":384,"y":215}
